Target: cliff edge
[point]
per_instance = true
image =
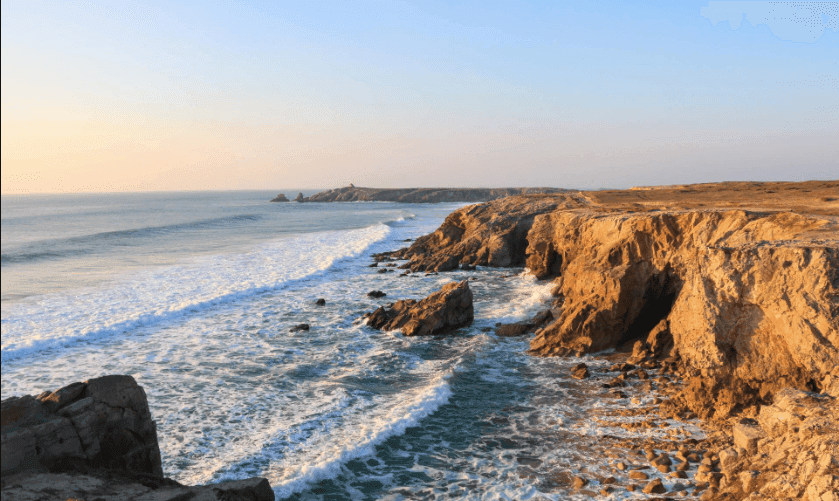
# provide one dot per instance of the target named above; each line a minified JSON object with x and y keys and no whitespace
{"x":739,"y":282}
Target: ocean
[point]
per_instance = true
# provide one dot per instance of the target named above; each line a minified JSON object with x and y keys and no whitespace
{"x":195,"y":295}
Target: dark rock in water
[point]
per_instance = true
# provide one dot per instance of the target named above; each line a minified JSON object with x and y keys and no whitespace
{"x":442,"y":312}
{"x":300,"y":198}
{"x":299,"y":327}
{"x":280,"y":198}
{"x":383,"y":270}
{"x":373,"y":265}
{"x":467,"y":267}
{"x":580,"y":371}
{"x":95,"y":440}
{"x":511,"y":330}
{"x":542,"y":318}
{"x":376,"y":294}
{"x":321,"y":302}
{"x":522,"y":328}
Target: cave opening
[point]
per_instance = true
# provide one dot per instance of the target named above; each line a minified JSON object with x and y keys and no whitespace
{"x":658,"y":299}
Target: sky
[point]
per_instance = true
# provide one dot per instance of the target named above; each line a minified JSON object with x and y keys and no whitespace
{"x":127,"y":96}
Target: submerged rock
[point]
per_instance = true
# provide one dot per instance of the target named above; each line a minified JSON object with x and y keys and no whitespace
{"x":525,"y":327}
{"x":442,"y":312}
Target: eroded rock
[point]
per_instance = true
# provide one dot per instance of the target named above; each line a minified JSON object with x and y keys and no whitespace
{"x":95,"y":440}
{"x":442,"y":312}
{"x":104,"y":422}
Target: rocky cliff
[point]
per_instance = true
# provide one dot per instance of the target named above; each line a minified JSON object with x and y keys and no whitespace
{"x":420,"y":195}
{"x":95,"y":440}
{"x":739,"y":280}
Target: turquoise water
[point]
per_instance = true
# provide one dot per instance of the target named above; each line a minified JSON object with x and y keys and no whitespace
{"x":195,"y":294}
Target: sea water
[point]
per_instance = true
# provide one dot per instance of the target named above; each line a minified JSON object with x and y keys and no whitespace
{"x":195,"y":295}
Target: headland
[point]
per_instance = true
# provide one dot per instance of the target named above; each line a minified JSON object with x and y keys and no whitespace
{"x":731,"y":288}
{"x":416,"y":195}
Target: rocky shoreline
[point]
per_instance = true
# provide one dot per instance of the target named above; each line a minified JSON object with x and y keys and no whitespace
{"x":732,"y":289}
{"x":415,"y":195}
{"x":720,"y":300}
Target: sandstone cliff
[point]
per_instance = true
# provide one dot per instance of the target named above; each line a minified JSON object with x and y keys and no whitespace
{"x":420,"y":195}
{"x":744,"y":277}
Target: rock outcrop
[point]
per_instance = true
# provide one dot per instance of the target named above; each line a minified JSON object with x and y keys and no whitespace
{"x":790,"y":451}
{"x":101,"y":423}
{"x":419,"y":195}
{"x":280,"y":198}
{"x":442,"y":312}
{"x":95,"y":440}
{"x":740,"y":281}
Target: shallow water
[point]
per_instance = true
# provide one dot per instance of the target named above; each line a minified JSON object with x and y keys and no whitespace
{"x":337,"y":412}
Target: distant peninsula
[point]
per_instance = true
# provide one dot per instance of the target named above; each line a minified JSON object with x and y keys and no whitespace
{"x":353,"y":193}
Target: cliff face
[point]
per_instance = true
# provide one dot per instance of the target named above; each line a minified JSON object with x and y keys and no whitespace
{"x":421,"y":195}
{"x":749,"y":299}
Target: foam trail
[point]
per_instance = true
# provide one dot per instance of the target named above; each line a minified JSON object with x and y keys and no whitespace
{"x":169,"y":293}
{"x":393,"y":424}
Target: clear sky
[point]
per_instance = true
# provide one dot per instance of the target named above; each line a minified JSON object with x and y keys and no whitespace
{"x":128,"y":96}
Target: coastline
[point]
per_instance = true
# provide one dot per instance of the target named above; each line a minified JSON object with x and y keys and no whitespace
{"x":690,"y":276}
{"x":630,"y":373}
{"x":353,"y":193}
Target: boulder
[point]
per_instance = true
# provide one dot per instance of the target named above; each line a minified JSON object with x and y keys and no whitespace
{"x":376,"y":294}
{"x":580,"y":371}
{"x":95,"y":440}
{"x":104,"y":423}
{"x":300,"y":198}
{"x":442,"y":312}
{"x":280,"y":198}
{"x":746,"y":436}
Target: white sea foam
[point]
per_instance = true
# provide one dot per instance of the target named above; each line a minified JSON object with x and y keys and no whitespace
{"x":162,"y":295}
{"x":527,"y":296}
{"x":360,"y":437}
